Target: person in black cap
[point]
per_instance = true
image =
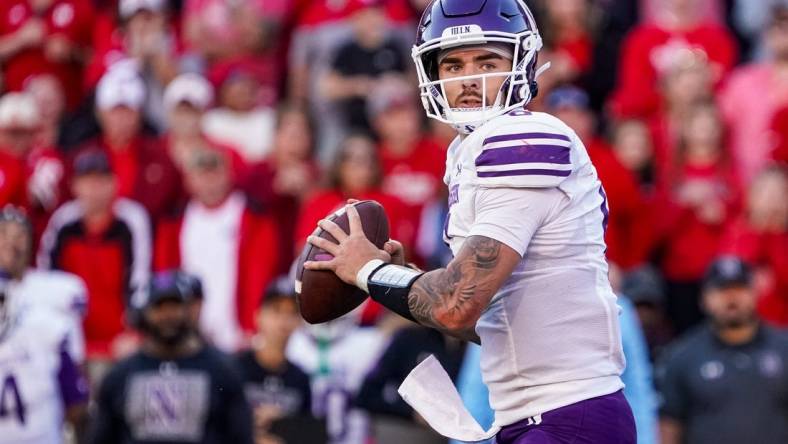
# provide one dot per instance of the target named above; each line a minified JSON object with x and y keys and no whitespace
{"x":175,"y":388}
{"x":275,"y":387}
{"x":726,"y":381}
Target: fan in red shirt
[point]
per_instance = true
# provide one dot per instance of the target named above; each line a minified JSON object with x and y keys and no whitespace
{"x":627,"y":234}
{"x":44,"y":162}
{"x":186,"y":100}
{"x":23,"y":137}
{"x":257,"y":30}
{"x":685,"y":83}
{"x":356,"y":174}
{"x":19,"y":121}
{"x":760,"y":236}
{"x":413,"y":163}
{"x":226,"y":242}
{"x":143,"y":34}
{"x":286,"y":178}
{"x":633,"y":148}
{"x":748,"y":117}
{"x":569,"y":45}
{"x":650,"y":48}
{"x":701,"y":198}
{"x":144,"y":171}
{"x":45,"y":37}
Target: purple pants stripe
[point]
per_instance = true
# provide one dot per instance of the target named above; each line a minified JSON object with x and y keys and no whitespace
{"x":524,"y":154}
{"x":603,"y":420}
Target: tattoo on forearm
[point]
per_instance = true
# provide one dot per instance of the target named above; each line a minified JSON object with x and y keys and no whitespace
{"x":445,"y":298}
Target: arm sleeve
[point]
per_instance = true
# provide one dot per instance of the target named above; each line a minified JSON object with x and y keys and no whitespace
{"x":513,"y":215}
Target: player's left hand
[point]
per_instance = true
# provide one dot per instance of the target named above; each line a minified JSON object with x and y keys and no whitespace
{"x":352,"y":252}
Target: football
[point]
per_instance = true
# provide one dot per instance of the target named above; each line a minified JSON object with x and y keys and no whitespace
{"x":321,"y":295}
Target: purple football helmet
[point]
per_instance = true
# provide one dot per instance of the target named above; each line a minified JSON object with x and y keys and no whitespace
{"x":449,"y":24}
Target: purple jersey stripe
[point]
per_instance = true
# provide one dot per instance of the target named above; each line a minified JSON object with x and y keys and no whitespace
{"x":524,"y":154}
{"x":526,"y":136}
{"x":534,"y":172}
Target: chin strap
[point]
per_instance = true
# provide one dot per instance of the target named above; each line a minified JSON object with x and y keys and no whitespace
{"x":542,"y":69}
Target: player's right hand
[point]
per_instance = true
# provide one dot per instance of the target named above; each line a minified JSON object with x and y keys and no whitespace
{"x":396,"y":251}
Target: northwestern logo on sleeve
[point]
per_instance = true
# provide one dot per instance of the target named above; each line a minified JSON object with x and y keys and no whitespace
{"x":461,"y":30}
{"x":454,"y":195}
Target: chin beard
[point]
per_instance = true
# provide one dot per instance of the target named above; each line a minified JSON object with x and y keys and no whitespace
{"x":170,"y":338}
{"x":734,"y":323}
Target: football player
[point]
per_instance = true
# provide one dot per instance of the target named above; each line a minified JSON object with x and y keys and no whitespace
{"x":40,"y":382}
{"x":526,"y":223}
{"x":63,"y":294}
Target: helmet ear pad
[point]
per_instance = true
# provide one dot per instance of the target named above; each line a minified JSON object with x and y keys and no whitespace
{"x":533,"y":86}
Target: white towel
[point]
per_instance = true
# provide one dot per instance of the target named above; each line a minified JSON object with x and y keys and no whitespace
{"x":430,"y":391}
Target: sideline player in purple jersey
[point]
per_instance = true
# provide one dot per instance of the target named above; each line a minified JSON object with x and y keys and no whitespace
{"x":526,"y":225}
{"x":41,"y":385}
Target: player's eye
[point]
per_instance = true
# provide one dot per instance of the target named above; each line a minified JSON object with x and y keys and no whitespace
{"x":489,"y":67}
{"x":454,"y":68}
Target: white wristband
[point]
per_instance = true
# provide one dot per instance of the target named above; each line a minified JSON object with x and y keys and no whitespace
{"x":363,"y":275}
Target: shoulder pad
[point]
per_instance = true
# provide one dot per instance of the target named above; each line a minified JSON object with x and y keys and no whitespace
{"x":47,"y":327}
{"x":64,"y":292}
{"x":533,"y":150}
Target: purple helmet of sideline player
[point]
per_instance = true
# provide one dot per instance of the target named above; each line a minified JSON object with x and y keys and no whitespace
{"x":449,"y":24}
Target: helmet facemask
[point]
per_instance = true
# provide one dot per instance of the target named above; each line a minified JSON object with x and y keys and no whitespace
{"x":515,"y":91}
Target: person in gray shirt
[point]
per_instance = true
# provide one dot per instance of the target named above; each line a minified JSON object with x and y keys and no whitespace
{"x":726,"y":381}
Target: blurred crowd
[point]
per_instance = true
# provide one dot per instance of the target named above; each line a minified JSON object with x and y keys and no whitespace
{"x":140,"y":137}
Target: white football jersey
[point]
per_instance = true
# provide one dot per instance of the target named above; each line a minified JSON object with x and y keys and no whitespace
{"x":31,"y":392}
{"x":58,"y":292}
{"x":336,"y":370}
{"x":550,"y":337}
